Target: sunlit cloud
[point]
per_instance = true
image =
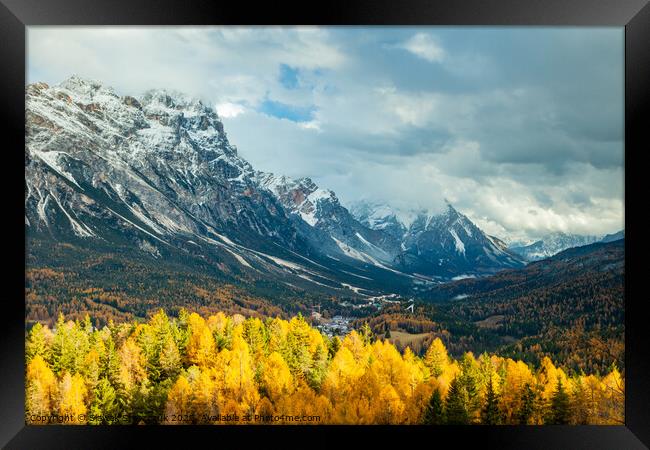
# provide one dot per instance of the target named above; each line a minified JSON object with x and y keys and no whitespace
{"x":228,"y":110}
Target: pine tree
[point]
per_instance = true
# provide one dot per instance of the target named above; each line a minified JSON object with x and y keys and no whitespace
{"x":436,"y":358}
{"x":297,"y":349}
{"x":179,"y":399}
{"x":318,"y":368}
{"x":276,"y":377}
{"x":64,"y":348}
{"x":434,"y":413}
{"x":527,"y":406}
{"x":580,"y":403}
{"x":366,"y":334}
{"x":469,"y":381}
{"x":456,"y":404}
{"x":490,"y":414}
{"x":36,"y":343}
{"x":41,"y":388}
{"x":156,"y":400}
{"x":170,"y":358}
{"x":110,"y":362}
{"x":71,"y":401}
{"x":560,"y":413}
{"x":104,"y":409}
{"x":335,"y":346}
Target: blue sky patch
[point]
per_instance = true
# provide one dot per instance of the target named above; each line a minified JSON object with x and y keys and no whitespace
{"x":285,"y":111}
{"x":288,"y":76}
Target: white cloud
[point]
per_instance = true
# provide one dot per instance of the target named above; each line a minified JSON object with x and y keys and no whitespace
{"x":425,"y":46}
{"x":522,"y":149}
{"x":227,"y":110}
{"x":311,"y":125}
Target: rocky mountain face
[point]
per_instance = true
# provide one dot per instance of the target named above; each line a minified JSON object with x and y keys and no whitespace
{"x":379,"y":216}
{"x":158,"y":176}
{"x":330,"y":222}
{"x":161,"y":165}
{"x":445,"y":244}
{"x":554,"y":243}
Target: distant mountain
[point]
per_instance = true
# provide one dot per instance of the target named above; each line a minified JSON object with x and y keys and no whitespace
{"x":614,"y":236}
{"x":331,"y":228}
{"x":553,"y":244}
{"x":442,"y":244}
{"x":381,"y":216}
{"x":566,"y":272}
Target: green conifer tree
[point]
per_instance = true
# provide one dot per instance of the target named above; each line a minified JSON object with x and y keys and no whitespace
{"x":527,"y":407}
{"x":335,"y":346}
{"x":366,"y":333}
{"x":104,"y":408}
{"x":490,"y":414}
{"x":318,"y":368}
{"x":560,"y":411}
{"x":456,"y":404}
{"x":36,"y":343}
{"x":434,"y":413}
{"x":469,"y":380}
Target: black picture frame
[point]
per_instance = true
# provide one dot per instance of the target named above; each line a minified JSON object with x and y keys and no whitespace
{"x":16,"y":15}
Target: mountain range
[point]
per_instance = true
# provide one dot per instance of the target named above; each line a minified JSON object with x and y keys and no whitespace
{"x":137,"y":204}
{"x":156,"y":177}
{"x":554,"y":243}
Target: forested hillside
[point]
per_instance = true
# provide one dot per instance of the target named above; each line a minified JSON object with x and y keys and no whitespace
{"x":115,"y":284}
{"x":570,"y":307}
{"x":228,"y":369}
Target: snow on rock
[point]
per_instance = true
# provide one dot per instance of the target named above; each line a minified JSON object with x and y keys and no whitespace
{"x":460,"y":247}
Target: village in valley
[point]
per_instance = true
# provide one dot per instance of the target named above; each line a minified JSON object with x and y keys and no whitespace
{"x":340,"y":325}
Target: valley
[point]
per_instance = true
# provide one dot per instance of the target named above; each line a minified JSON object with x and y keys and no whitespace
{"x":136,"y":205}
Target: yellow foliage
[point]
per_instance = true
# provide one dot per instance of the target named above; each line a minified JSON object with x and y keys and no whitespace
{"x":436,"y":358}
{"x":344,"y":371}
{"x":217,"y":323}
{"x":355,"y":344}
{"x":276,"y":377}
{"x":200,"y":348}
{"x":72,"y":393}
{"x":41,"y":389}
{"x":132,"y":371}
{"x":179,"y":400}
{"x":283,"y":369}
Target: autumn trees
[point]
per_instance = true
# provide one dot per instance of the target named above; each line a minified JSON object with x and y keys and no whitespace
{"x":195,"y":369}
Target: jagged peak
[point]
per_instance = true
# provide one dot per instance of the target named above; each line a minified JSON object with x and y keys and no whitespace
{"x":276,"y":182}
{"x":82,"y":85}
{"x":307,"y":183}
{"x":172,"y":98}
{"x":83,"y":88}
{"x":77,"y":80}
{"x":450,"y":210}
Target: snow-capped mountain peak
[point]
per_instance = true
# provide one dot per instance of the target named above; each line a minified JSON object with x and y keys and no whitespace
{"x":300,"y":196}
{"x":558,"y":241}
{"x":157,"y":171}
{"x":435,"y":242}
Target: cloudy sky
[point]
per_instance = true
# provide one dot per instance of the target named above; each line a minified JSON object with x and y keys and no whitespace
{"x":520,"y":128}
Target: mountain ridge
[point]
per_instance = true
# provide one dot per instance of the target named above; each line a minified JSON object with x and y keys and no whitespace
{"x":557,"y":242}
{"x":158,"y":174}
